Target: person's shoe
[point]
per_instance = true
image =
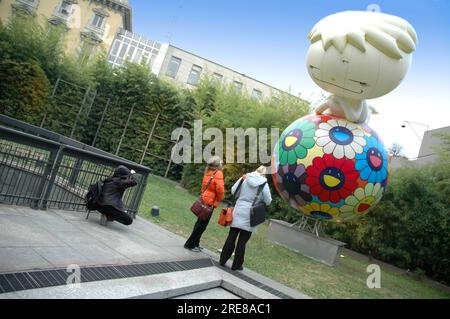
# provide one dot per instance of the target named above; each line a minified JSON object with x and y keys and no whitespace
{"x":240,"y":268}
{"x":195,"y":249}
{"x":200,"y":247}
{"x":103,"y":220}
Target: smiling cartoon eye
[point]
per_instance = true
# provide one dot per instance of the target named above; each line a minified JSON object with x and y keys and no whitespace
{"x":359,"y":82}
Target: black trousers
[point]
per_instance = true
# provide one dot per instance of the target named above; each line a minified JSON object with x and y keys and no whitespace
{"x":230,"y":244}
{"x":199,"y":228}
{"x":115,"y":214}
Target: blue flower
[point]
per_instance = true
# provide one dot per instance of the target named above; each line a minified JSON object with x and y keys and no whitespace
{"x":372,"y":163}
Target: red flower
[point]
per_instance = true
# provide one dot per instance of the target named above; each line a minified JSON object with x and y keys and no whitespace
{"x":332,"y":179}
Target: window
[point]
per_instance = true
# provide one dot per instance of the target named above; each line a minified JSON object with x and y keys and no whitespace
{"x":86,"y":52}
{"x":152,"y":59}
{"x":65,"y":8}
{"x":276,"y":98}
{"x":238,"y":86}
{"x":97,"y":21}
{"x":194,"y":77}
{"x":173,"y":67}
{"x":257,"y":94}
{"x":138,"y":56}
{"x":115,"y":47}
{"x":130,"y":53}
{"x":28,"y":5}
{"x":123,"y":51}
{"x":218,"y":78}
{"x":145,"y":57}
{"x":32,"y":2}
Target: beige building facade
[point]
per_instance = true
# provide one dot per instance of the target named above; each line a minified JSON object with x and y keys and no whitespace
{"x":89,"y":24}
{"x":106,"y":25}
{"x":184,"y":68}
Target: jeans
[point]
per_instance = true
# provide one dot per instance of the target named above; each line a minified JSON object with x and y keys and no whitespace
{"x":115,"y":214}
{"x":230,"y":244}
{"x":199,"y":228}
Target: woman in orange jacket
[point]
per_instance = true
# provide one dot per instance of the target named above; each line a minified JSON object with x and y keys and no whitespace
{"x":212,"y":196}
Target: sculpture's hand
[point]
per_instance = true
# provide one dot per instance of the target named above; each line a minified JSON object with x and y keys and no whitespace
{"x":322,"y":108}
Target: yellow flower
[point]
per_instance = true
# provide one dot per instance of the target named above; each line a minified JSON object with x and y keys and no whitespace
{"x":320,"y":211}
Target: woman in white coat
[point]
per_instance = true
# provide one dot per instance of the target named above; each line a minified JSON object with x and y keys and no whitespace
{"x":240,"y":229}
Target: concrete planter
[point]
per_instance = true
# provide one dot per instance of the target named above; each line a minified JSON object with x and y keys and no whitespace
{"x":324,"y":250}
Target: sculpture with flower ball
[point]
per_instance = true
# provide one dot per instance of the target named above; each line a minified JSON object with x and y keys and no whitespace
{"x":332,"y":165}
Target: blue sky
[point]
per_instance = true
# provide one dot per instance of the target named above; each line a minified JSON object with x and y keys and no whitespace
{"x":266,"y":39}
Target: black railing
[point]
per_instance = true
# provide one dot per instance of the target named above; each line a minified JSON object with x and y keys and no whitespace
{"x":55,"y":172}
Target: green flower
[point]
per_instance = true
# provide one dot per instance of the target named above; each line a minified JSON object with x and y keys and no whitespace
{"x":295,"y":141}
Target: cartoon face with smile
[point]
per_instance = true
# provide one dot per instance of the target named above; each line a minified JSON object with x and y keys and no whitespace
{"x":292,"y":139}
{"x":365,"y":204}
{"x":360,"y":55}
{"x":332,"y":178}
{"x":375,"y":159}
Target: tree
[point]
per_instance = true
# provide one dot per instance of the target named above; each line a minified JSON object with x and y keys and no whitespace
{"x":396,"y":149}
{"x":24,"y":90}
{"x":409,"y":227}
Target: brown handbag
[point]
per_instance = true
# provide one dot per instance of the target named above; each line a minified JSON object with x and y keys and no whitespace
{"x":199,"y":208}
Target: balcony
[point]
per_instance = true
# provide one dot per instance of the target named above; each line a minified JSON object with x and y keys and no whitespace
{"x":26,"y":6}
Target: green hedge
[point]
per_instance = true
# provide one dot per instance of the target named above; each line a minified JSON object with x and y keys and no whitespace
{"x":410,"y":227}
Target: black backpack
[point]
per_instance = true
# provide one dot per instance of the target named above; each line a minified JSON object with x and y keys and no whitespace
{"x":93,"y":196}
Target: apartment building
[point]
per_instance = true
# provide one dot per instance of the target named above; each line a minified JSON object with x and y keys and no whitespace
{"x":89,"y":24}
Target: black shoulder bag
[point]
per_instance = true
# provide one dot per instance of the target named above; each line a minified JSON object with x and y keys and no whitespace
{"x":258,"y":212}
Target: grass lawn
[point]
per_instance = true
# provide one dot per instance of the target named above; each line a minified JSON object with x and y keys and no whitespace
{"x":347,"y":280}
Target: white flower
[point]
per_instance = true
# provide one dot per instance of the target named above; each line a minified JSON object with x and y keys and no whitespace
{"x":340,"y":138}
{"x":363,"y":199}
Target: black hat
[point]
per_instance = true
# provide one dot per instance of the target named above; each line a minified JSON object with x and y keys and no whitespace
{"x":122,"y":171}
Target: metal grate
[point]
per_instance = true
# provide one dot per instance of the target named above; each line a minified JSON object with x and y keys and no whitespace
{"x":11,"y":282}
{"x":254,"y":282}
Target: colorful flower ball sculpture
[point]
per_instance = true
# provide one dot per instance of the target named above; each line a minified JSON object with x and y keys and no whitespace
{"x":330,"y":168}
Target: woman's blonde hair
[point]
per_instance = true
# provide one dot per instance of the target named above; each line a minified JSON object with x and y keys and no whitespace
{"x":214,"y":162}
{"x":261,"y":170}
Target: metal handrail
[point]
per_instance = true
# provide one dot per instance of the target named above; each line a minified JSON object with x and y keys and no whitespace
{"x":58,"y":138}
{"x":47,"y":173}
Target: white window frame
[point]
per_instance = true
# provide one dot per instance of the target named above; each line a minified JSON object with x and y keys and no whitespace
{"x":217,"y":77}
{"x":194,"y":75}
{"x":238,"y":86}
{"x":29,"y":5}
{"x":173,"y":58}
{"x":257,"y":94}
{"x":69,"y":3}
{"x":102,"y":22}
{"x":33,"y":3}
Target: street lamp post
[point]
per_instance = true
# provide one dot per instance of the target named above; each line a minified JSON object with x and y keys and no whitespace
{"x":405,"y":123}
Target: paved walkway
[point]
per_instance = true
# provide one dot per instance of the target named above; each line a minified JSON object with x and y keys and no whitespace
{"x":36,"y":240}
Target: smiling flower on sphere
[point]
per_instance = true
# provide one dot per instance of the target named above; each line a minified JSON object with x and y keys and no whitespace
{"x":295,"y":143}
{"x":331,"y":179}
{"x":373,"y":161}
{"x":291,"y":183}
{"x":362,"y":200}
{"x":320,"y":211}
{"x":340,"y":138}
